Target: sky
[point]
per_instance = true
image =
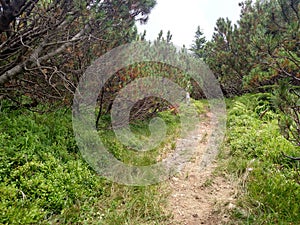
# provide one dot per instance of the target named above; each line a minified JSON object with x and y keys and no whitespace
{"x":183,"y":17}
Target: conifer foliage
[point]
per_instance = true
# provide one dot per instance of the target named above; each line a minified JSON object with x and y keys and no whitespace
{"x":261,"y":52}
{"x":46,"y":45}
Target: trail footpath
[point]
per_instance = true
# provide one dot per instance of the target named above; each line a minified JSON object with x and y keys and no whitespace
{"x":199,"y":195}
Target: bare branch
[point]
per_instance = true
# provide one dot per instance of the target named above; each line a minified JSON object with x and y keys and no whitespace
{"x":290,"y":157}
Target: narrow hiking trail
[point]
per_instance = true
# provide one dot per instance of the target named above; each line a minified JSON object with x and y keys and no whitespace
{"x":198,"y":195}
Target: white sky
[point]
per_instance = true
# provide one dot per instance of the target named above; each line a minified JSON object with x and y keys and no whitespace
{"x":183,"y":17}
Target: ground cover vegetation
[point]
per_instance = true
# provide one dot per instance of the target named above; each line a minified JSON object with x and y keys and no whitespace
{"x":260,"y":54}
{"x":45,"y":47}
{"x":255,"y":152}
{"x":45,"y":180}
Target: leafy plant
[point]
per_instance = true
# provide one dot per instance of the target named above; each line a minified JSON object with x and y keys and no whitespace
{"x":44,"y":180}
{"x":254,"y":146}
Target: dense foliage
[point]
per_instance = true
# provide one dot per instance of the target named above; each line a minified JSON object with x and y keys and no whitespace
{"x":46,"y":45}
{"x":260,"y":49}
{"x":154,"y":68}
{"x":270,"y":182}
{"x":261,"y":53}
{"x":44,"y":179}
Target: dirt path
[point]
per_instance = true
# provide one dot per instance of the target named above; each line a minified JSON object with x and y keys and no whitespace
{"x":198,"y":195}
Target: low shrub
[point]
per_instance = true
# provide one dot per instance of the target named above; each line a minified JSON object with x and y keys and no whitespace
{"x":255,"y":145}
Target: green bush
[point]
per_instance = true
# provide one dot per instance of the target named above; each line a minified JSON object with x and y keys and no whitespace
{"x":44,"y":180}
{"x":272,"y":191}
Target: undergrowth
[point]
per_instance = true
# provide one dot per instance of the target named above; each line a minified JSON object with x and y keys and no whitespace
{"x":44,"y":180}
{"x":253,"y":150}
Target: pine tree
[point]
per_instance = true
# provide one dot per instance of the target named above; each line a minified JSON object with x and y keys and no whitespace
{"x":198,"y":44}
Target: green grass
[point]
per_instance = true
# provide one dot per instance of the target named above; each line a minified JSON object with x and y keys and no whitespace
{"x":252,"y":151}
{"x":44,"y":180}
{"x":141,"y":130}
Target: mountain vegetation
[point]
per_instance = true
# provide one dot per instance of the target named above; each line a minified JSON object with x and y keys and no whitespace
{"x":260,"y":53}
{"x":47,"y":45}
